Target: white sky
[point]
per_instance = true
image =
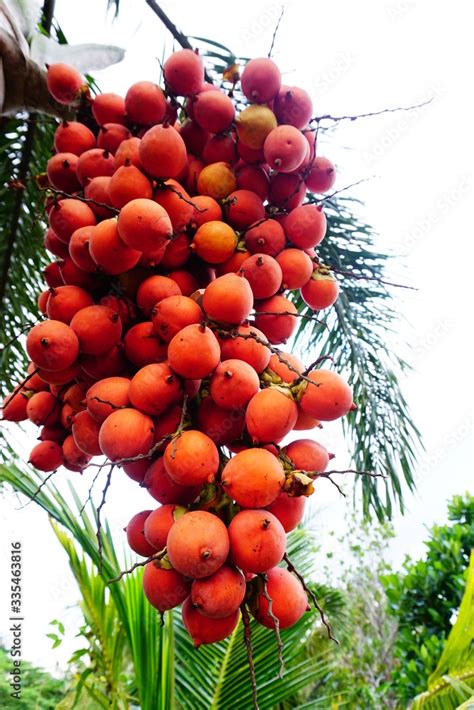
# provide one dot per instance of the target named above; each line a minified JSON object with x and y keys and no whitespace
{"x":352,"y":57}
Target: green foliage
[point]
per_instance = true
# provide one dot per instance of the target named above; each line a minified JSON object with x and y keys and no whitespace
{"x":39,"y":689}
{"x":427,"y":594}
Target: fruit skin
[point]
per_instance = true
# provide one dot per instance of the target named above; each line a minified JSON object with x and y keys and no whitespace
{"x":173,"y":313}
{"x":261,"y":80}
{"x":154,"y":388}
{"x":14,"y":405}
{"x":135,"y":536}
{"x":128,"y":183}
{"x":198,"y":544}
{"x":321,"y":291}
{"x":65,"y":301}
{"x":288,"y":509}
{"x":68,"y":215}
{"x":191,"y":459}
{"x":108,"y":108}
{"x":205,"y":630}
{"x":163,"y":489}
{"x":289,"y":600}
{"x":285,"y":148}
{"x":215,"y":242}
{"x":293,"y":105}
{"x":287,"y":190}
{"x":280,"y":364}
{"x":184,"y":72}
{"x":322,"y":175}
{"x":213,"y":111}
{"x":43,"y":408}
{"x":159,"y":522}
{"x":223,"y":426}
{"x":145,"y":103}
{"x":228,"y":299}
{"x":243,"y":209}
{"x":254,"y":124}
{"x":233,"y":384}
{"x":73,"y":137}
{"x":253,"y":478}
{"x":144,"y":225}
{"x":106,"y":396}
{"x":98,"y":329}
{"x":296,"y":267}
{"x":64,"y":82}
{"x":257,"y":540}
{"x":85,"y":431}
{"x":163,"y":152}
{"x":329,"y":398}
{"x":46,"y":456}
{"x":194,"y":352}
{"x":270,"y":416}
{"x":74,"y":458}
{"x":263,"y":273}
{"x":247,"y":348}
{"x":216,"y":180}
{"x":126,"y":433}
{"x":305,"y":226}
{"x":265,"y":238}
{"x":280,"y":326}
{"x":52,"y":345}
{"x":307,"y":455}
{"x":220,"y":594}
{"x":164,"y":588}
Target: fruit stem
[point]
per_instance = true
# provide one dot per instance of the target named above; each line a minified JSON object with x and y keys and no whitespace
{"x":248,"y":646}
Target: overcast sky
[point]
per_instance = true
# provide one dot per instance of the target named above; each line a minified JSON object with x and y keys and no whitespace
{"x":352,"y":58}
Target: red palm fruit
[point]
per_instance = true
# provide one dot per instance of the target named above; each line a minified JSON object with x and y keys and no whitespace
{"x":265,"y":238}
{"x":68,"y":215}
{"x":136,"y":534}
{"x":280,"y":362}
{"x":307,"y":455}
{"x":128,"y":153}
{"x":198,"y":544}
{"x":128,"y":183}
{"x":191,"y":458}
{"x":233,"y":384}
{"x":85,"y":431}
{"x":126,"y":433}
{"x":108,"y":108}
{"x":194,"y":352}
{"x":194,"y":136}
{"x":61,"y":171}
{"x":14,"y":405}
{"x":223,"y":426}
{"x":321,"y":176}
{"x":152,"y":258}
{"x":257,"y":540}
{"x":195,"y":166}
{"x":74,"y":458}
{"x":97,"y":189}
{"x":289,"y":510}
{"x":321,"y":291}
{"x":123,"y":306}
{"x":159,"y":522}
{"x":173,"y":313}
{"x":136,"y":470}
{"x":110,"y":253}
{"x":155,"y":289}
{"x":293,"y":105}
{"x":52,"y":276}
{"x":177,"y":252}
{"x":42,"y":301}
{"x":73,"y":137}
{"x":186,"y":281}
{"x":287,"y":190}
{"x":175,"y":200}
{"x":190,"y":101}
{"x":163,"y":152}
{"x":296,"y":268}
{"x":305,"y":421}
{"x":214,"y":242}
{"x":110,"y":364}
{"x":154,"y":388}
{"x":251,"y":156}
{"x":46,"y":456}
{"x":98,"y":329}
{"x":164,"y":588}
{"x":216,"y":180}
{"x":289,"y":600}
{"x":35,"y":383}
{"x":243,"y":209}
{"x":59,"y":377}
{"x":261,"y":80}
{"x":65,"y":301}
{"x":111,"y":135}
{"x":305,"y":226}
{"x":228,"y":299}
{"x":329,"y":398}
{"x":263,"y":273}
{"x":285,"y":148}
{"x":253,"y":178}
{"x":43,"y":408}
{"x":203,"y":629}
{"x":143,"y":346}
{"x":54,"y":245}
{"x":253,"y":478}
{"x":254,"y":124}
{"x":52,"y":345}
{"x":107,"y":396}
{"x":74,"y":396}
{"x":94,"y":163}
{"x":67,"y":416}
{"x":213,"y":111}
{"x":144,"y":225}
{"x":166,"y":424}
{"x":219,"y":148}
{"x":232,"y":264}
{"x":270,"y":416}
{"x":145,"y":103}
{"x":53,"y":433}
{"x":245,"y":346}
{"x":163,"y":489}
{"x":220,"y":594}
{"x":278,"y":328}
{"x":72,"y":275}
{"x":183,"y":72}
{"x":64,"y":82}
